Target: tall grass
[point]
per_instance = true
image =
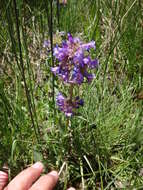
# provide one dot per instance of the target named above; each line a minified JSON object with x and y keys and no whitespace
{"x":107,"y":135}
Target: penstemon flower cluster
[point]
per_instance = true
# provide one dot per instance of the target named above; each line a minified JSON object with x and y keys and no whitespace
{"x":74,"y":64}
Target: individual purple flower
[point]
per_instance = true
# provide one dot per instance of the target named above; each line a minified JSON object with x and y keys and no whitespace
{"x":55,"y":70}
{"x":62,"y":72}
{"x":79,"y":102}
{"x":61,"y":53}
{"x":78,"y":58}
{"x":88,"y":46}
{"x":77,"y":76}
{"x":46,"y":44}
{"x":89,"y":76}
{"x":68,"y":106}
{"x":94,"y":64}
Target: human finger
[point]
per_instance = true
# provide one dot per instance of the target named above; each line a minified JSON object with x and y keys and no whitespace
{"x":46,"y":182}
{"x":3,"y":179}
{"x":25,"y":179}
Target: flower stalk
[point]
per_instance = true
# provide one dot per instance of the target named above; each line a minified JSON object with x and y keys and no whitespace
{"x":74,"y":65}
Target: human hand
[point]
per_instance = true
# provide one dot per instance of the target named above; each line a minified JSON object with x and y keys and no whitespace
{"x":26,"y":180}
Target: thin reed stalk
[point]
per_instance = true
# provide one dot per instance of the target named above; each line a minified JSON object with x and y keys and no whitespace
{"x":58,"y":14}
{"x":52,"y":58}
{"x":22,"y":69}
{"x":30,"y":80}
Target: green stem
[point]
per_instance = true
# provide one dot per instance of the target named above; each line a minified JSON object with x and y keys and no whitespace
{"x":71,"y":92}
{"x":70,"y":136}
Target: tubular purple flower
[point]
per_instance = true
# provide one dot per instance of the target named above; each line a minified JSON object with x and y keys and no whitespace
{"x":89,"y":76}
{"x":94,"y":64}
{"x":70,"y":38}
{"x":87,"y":60}
{"x":61,"y":53}
{"x":46,"y":44}
{"x":63,"y":73}
{"x":60,"y":99}
{"x":78,"y":57}
{"x":77,"y":77}
{"x":55,"y":70}
{"x":79,"y":102}
{"x":88,"y":46}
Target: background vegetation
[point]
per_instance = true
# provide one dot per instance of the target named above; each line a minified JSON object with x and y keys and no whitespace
{"x":107,"y":136}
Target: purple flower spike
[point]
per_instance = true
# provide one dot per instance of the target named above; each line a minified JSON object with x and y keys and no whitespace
{"x":74,"y":64}
{"x":67,"y":106}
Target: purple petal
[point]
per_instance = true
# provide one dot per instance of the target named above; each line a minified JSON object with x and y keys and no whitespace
{"x":46,"y":44}
{"x":55,"y":70}
{"x":94,"y":64}
{"x":78,"y":57}
{"x":60,"y":53}
{"x":76,"y":40}
{"x":89,"y":76}
{"x":79,"y":102}
{"x":88,"y":46}
{"x":68,"y":114}
{"x":87,"y":60}
{"x":70,"y":38}
{"x":77,"y":76}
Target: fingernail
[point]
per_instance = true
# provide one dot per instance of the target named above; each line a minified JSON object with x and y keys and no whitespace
{"x":54,"y":173}
{"x":71,"y":188}
{"x":37,"y":165}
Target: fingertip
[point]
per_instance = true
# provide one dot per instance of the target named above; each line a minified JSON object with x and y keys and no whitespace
{"x":47,"y":181}
{"x":71,"y":188}
{"x":54,"y":173}
{"x":38,"y":165}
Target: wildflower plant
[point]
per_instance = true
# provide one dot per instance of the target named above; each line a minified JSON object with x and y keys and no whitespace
{"x":74,"y":68}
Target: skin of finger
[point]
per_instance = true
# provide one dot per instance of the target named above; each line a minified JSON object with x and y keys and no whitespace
{"x":3,"y":184}
{"x":1,"y":187}
{"x":3,"y":179}
{"x":25,"y":179}
{"x":46,"y":182}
